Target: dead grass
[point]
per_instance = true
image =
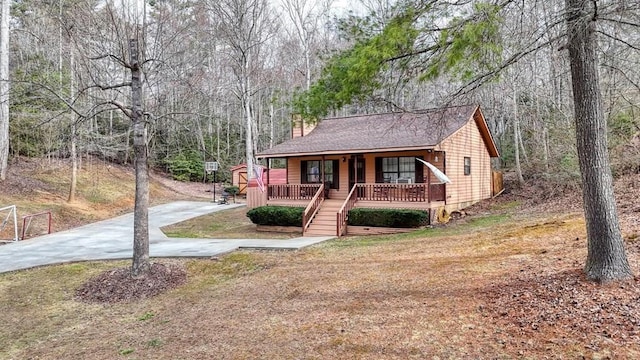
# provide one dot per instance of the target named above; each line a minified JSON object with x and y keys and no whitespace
{"x":492,"y":286}
{"x":104,"y":190}
{"x":420,"y":295}
{"x":230,"y":224}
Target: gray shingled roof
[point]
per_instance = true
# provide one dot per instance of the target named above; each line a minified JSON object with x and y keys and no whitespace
{"x":377,"y":132}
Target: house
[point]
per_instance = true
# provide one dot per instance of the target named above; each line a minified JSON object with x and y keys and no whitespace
{"x":370,"y":161}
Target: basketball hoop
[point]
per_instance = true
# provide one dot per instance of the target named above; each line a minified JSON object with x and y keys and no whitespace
{"x":212,"y":167}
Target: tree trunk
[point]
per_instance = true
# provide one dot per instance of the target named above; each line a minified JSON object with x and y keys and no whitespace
{"x":141,"y":265}
{"x":74,"y":130}
{"x":606,"y":258}
{"x":4,"y":89}
{"x":246,"y":90}
{"x":271,"y":122}
{"x":516,"y":136}
{"x":74,"y":162}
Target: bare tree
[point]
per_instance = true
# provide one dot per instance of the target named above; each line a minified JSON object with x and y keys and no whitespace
{"x":4,"y":88}
{"x":245,"y":26}
{"x":606,"y":259}
{"x":306,"y":17}
{"x":127,"y":34}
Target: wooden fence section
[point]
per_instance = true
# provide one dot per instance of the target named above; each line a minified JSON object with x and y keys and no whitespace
{"x":496,"y":183}
{"x":437,"y":192}
{"x":255,"y":198}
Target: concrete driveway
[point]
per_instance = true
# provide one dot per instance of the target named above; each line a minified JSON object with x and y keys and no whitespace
{"x":113,"y":239}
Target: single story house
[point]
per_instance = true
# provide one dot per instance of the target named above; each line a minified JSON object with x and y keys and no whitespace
{"x":374,"y":161}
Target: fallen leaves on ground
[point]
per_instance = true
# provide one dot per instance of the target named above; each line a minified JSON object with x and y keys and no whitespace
{"x":538,"y":302}
{"x":118,"y":285}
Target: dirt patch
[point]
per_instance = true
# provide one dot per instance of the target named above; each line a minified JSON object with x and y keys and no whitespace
{"x":119,"y":286}
{"x":196,"y":190}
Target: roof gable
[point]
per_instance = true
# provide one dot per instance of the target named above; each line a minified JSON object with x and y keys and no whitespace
{"x":382,"y":132}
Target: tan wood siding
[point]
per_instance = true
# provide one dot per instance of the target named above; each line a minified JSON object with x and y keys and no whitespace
{"x":294,"y":173}
{"x":294,"y":168}
{"x":256,"y":198}
{"x":464,"y":189}
{"x":370,"y":164}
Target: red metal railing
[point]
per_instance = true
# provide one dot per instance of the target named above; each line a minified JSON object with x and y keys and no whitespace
{"x":25,"y":225}
{"x":343,"y":213}
{"x":311,"y":209}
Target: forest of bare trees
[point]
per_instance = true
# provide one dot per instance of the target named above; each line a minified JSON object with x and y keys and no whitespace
{"x":218,"y":79}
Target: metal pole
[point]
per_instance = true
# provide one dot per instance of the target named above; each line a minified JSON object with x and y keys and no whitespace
{"x":214,"y":186}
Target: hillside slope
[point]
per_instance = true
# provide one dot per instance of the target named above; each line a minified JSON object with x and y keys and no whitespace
{"x":104,"y":190}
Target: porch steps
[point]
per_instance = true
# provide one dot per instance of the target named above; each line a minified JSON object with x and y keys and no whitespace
{"x":324,"y":223}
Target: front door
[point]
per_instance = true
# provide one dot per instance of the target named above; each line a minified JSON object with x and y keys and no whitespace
{"x":356,"y":171}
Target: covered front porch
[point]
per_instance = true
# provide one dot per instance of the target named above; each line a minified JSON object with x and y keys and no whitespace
{"x":326,"y":215}
{"x":329,"y":185}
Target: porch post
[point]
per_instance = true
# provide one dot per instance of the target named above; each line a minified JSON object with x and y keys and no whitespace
{"x":355,"y":169}
{"x":428,"y":185}
{"x":322,"y":169}
{"x":268,"y":171}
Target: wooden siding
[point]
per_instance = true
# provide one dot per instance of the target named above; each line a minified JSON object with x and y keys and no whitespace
{"x":463,"y":190}
{"x":467,"y":189}
{"x":294,"y":168}
{"x":370,"y":161}
{"x":255,"y":197}
{"x":294,"y":173}
{"x":240,"y":178}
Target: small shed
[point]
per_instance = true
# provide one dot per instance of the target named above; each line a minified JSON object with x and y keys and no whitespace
{"x":240,"y":179}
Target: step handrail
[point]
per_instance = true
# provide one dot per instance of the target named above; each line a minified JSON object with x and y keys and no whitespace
{"x":343,"y":213}
{"x":311,"y":209}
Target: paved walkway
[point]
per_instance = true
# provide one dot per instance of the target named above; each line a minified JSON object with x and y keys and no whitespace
{"x":113,"y":239}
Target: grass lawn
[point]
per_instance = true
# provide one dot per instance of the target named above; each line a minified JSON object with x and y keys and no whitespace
{"x":435,"y":293}
{"x":228,"y":224}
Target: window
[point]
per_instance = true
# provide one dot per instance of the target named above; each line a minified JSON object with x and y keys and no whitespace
{"x":312,"y":174}
{"x":467,"y":165}
{"x":398,"y":169}
{"x":313,"y":171}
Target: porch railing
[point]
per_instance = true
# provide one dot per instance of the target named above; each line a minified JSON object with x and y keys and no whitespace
{"x":311,"y":209}
{"x":393,"y":192}
{"x":343,"y":213}
{"x":292,"y":191}
{"x":437,"y":192}
{"x":365,"y":192}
